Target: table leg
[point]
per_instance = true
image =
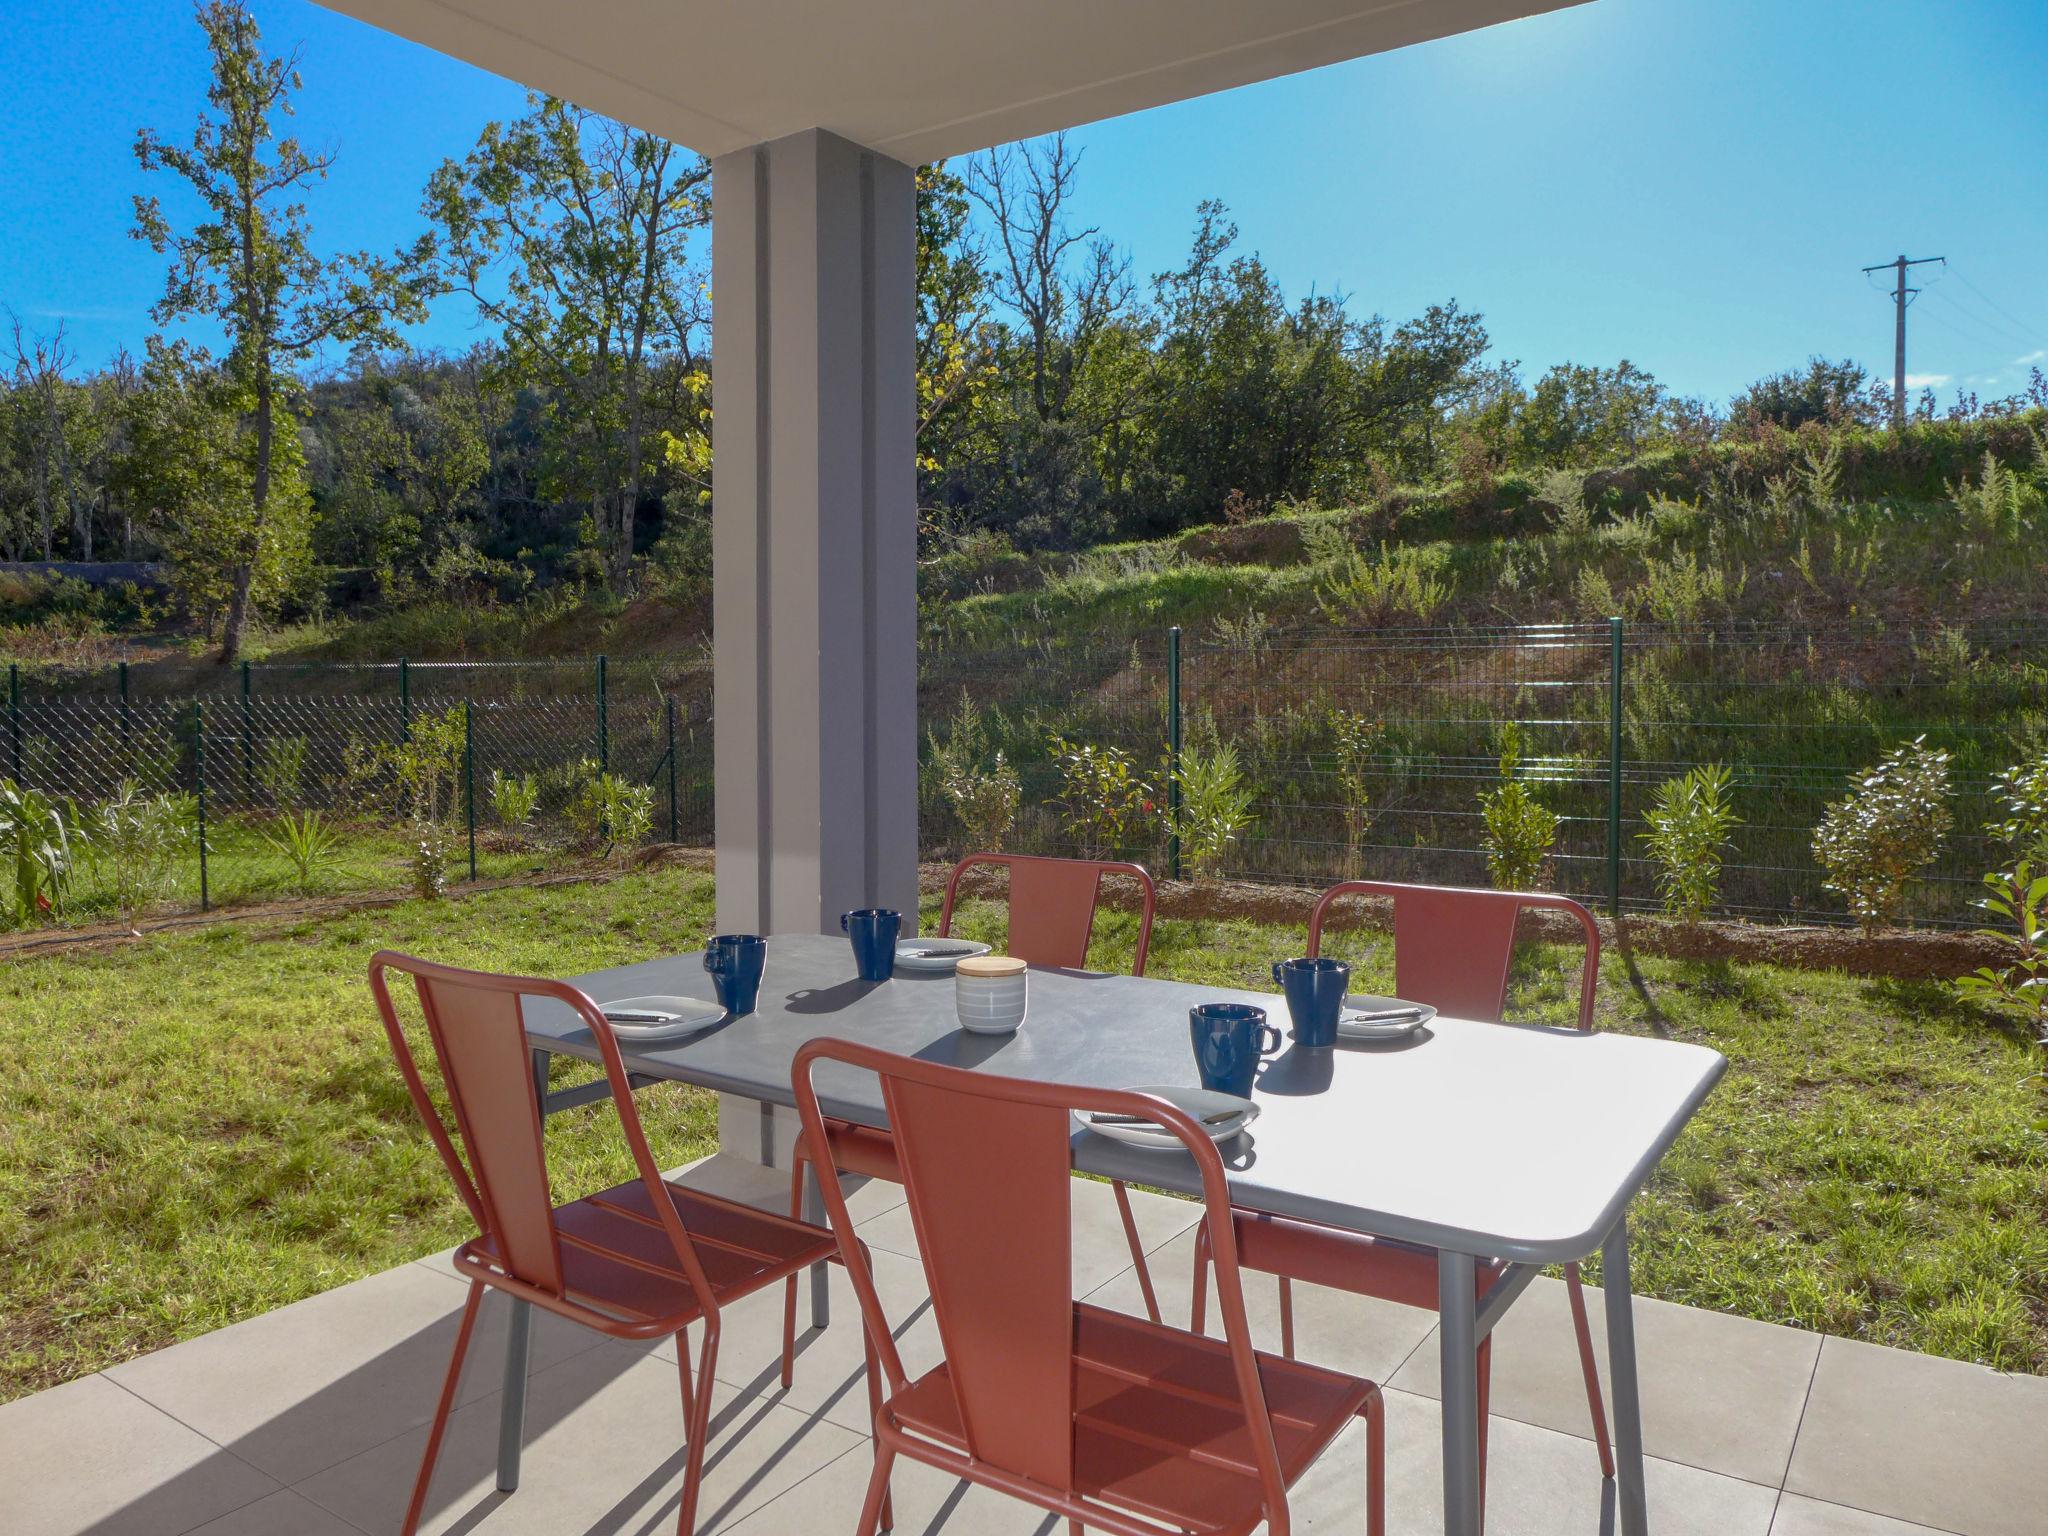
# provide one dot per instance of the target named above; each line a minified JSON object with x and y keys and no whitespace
{"x":814,"y":1212}
{"x":1458,"y":1341}
{"x":1621,"y":1372}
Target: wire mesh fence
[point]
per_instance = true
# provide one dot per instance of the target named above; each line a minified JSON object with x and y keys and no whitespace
{"x":1364,"y":753}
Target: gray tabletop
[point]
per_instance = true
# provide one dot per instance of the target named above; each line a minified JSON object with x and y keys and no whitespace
{"x":1504,"y":1141}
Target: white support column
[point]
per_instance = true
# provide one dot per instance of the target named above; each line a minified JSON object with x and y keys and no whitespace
{"x":814,"y":608}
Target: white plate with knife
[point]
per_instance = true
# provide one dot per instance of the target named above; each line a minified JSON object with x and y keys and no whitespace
{"x":659,"y":1018}
{"x":936,"y":955}
{"x":1222,"y":1115}
{"x":1370,"y":1020}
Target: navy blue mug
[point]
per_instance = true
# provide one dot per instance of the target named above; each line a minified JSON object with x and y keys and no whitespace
{"x":735,"y":962}
{"x":1229,"y":1039}
{"x":1315,"y":991}
{"x":873,"y":931}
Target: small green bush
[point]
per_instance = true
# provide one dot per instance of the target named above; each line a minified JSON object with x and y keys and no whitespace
{"x":308,"y":842}
{"x":2020,"y":988}
{"x":134,"y":843}
{"x":513,"y":797}
{"x":610,"y":812}
{"x":281,"y":769}
{"x":1690,"y":823}
{"x":1519,"y":829}
{"x":1874,"y":839}
{"x":985,"y":800}
{"x":1215,"y":807}
{"x":39,"y":840}
{"x":1102,"y":799}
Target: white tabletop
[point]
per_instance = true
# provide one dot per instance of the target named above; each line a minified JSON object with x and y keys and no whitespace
{"x":1504,"y":1141}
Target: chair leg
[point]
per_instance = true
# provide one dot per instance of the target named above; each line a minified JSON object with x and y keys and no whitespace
{"x":796,"y":1210}
{"x":433,"y":1451}
{"x":874,"y":1372}
{"x":1123,"y":1206}
{"x":1287,"y":1317}
{"x":1375,"y":1465}
{"x":878,"y":1491}
{"x":1575,"y":1288}
{"x":1201,"y":1290}
{"x":696,"y":1422}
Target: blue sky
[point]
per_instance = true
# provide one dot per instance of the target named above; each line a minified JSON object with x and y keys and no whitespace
{"x":1691,"y":184}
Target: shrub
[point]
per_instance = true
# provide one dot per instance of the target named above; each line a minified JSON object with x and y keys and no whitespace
{"x":610,"y":812}
{"x":2021,"y":898}
{"x":281,"y":769}
{"x":1689,"y":826}
{"x":134,"y":843}
{"x":1563,"y":491}
{"x":427,"y":855}
{"x":1874,"y":839}
{"x":1998,"y":504}
{"x":1215,"y":807}
{"x":37,"y":838}
{"x":309,"y":843}
{"x":2022,"y":792}
{"x":1358,"y":742}
{"x":1401,"y":581}
{"x":985,"y":800}
{"x":1519,"y":828}
{"x":1102,"y":799}
{"x":513,"y":797}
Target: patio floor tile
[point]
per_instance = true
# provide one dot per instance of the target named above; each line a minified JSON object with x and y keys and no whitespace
{"x":1540,"y":1483}
{"x":306,"y":1386}
{"x":1721,"y":1393}
{"x":1349,"y":1333}
{"x":830,"y":1364}
{"x":928,"y":1503}
{"x":90,"y":1457}
{"x":1946,"y":1444}
{"x":1100,"y":1247}
{"x":1798,"y":1516}
{"x":604,"y":1452}
{"x":283,"y":1513}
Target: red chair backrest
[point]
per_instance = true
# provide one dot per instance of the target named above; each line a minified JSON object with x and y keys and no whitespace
{"x":1052,"y":905}
{"x":987,"y":1174}
{"x":1453,"y":945}
{"x":478,"y":1031}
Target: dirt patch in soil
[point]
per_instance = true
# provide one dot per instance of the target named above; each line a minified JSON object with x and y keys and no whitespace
{"x":1909,"y":955}
{"x":1905,"y":954}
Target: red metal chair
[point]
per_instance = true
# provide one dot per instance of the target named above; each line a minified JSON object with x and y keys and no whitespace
{"x":641,"y":1260}
{"x":1052,"y":918}
{"x":1452,"y":949}
{"x":1116,"y":1423}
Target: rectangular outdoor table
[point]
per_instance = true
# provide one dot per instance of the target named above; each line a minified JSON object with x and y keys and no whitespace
{"x":1485,"y":1141}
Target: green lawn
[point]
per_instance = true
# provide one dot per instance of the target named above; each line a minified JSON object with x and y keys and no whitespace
{"x":204,"y":1125}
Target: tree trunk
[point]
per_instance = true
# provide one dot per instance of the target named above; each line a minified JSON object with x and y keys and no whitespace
{"x":252,"y":547}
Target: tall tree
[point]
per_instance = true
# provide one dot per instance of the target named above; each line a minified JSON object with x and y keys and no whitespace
{"x":248,"y":264}
{"x":572,"y":234}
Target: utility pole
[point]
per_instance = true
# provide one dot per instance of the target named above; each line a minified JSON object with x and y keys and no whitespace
{"x":1901,"y":297}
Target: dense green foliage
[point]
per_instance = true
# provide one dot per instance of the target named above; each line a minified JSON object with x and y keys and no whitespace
{"x":1063,"y":400}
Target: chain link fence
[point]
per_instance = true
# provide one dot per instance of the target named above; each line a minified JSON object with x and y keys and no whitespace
{"x":1364,"y":753}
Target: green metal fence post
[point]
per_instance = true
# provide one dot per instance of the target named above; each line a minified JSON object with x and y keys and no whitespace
{"x":673,"y":835}
{"x":604,"y":732}
{"x":469,"y":780}
{"x":14,"y":719}
{"x":127,"y":724}
{"x":1173,"y":752}
{"x":1614,"y":767}
{"x":404,"y":699}
{"x":248,"y":738}
{"x":199,"y":785}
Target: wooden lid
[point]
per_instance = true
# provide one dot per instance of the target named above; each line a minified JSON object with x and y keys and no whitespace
{"x":989,"y":965}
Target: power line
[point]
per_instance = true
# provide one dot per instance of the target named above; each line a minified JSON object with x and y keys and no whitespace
{"x":2010,"y":317}
{"x":1901,"y":297}
{"x":1969,"y":323}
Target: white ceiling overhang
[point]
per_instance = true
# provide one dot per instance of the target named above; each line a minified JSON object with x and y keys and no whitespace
{"x":917,"y":80}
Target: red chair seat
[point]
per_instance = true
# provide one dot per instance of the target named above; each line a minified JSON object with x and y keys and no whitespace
{"x":617,"y":1258}
{"x":1159,"y":1426}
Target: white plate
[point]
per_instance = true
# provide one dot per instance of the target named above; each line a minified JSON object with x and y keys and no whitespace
{"x":662,"y":1018}
{"x":1198,"y":1102}
{"x":936,"y":955}
{"x":1351,"y":1026}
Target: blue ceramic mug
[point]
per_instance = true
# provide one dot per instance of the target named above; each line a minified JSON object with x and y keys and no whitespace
{"x":735,"y":962}
{"x":1229,"y":1039}
{"x":1315,"y":991}
{"x":873,"y":931}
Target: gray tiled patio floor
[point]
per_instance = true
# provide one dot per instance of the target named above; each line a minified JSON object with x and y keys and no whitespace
{"x":308,"y":1421}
